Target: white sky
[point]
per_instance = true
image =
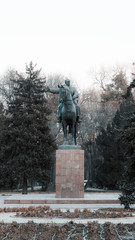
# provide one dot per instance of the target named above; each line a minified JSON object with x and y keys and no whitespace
{"x":67,"y":36}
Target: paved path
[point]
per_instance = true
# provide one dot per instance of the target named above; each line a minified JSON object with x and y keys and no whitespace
{"x":9,"y":217}
{"x":52,"y":196}
{"x":42,"y":196}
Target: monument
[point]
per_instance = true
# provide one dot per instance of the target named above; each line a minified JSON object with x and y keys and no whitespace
{"x":69,"y":158}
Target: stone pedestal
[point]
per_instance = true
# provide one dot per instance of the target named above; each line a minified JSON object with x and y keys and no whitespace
{"x":70,"y":173}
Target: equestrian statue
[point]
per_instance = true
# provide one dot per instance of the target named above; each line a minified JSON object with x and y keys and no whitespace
{"x":68,"y":109}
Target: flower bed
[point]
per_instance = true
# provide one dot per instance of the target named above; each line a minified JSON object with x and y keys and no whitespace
{"x":89,"y":231}
{"x":47,"y":212}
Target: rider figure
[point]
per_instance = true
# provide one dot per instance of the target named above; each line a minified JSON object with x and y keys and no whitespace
{"x":75,"y":100}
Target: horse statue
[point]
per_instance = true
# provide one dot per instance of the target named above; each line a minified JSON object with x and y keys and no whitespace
{"x":68,"y":113}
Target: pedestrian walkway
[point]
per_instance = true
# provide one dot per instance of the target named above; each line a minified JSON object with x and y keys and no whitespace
{"x":51,"y":196}
{"x":46,"y":198}
{"x":11,"y":216}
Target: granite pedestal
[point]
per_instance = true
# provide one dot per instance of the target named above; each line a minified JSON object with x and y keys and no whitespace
{"x":69,"y":172}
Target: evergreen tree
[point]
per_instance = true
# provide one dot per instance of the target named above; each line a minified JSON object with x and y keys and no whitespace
{"x":28,"y":144}
{"x":113,"y":91}
{"x":111,"y":97}
{"x":117,"y":146}
{"x":2,"y":123}
{"x":127,"y":137}
{"x":112,"y":148}
{"x":110,"y":168}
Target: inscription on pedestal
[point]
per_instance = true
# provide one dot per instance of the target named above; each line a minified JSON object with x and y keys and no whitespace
{"x":70,"y":173}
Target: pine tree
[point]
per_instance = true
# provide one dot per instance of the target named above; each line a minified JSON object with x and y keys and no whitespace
{"x":113,"y":91}
{"x":123,"y":140}
{"x":110,"y":168}
{"x":112,"y":148}
{"x":2,"y":126}
{"x":28,"y":143}
{"x":127,"y":138}
{"x":111,"y":97}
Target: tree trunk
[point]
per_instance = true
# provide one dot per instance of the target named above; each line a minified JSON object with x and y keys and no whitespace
{"x":24,"y":191}
{"x":32,"y":186}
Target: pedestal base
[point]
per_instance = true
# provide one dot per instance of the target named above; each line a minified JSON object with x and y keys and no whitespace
{"x":69,"y":173}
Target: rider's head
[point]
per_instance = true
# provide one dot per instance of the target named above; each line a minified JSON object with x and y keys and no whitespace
{"x":67,"y":82}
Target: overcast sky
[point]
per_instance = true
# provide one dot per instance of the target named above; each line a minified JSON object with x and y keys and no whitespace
{"x":67,"y":36}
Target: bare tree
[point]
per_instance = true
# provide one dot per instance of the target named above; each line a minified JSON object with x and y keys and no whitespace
{"x":6,"y":86}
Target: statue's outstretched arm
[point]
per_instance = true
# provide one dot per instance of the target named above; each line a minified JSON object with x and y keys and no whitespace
{"x":52,"y":90}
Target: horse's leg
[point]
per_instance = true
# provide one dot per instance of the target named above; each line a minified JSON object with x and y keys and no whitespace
{"x":73,"y":132}
{"x":65,"y":132}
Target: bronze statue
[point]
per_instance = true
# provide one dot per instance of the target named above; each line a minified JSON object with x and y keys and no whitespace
{"x":68,"y":109}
